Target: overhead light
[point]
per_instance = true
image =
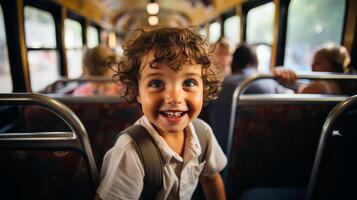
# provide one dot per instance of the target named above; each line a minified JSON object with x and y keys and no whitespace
{"x":153,"y":20}
{"x":152,"y":8}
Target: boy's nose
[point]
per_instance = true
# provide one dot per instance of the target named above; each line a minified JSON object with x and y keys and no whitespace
{"x":174,"y":96}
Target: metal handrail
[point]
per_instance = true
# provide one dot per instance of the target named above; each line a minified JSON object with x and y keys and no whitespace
{"x":77,"y":139}
{"x":97,"y":79}
{"x":240,"y":89}
{"x":88,"y":99}
{"x":326,"y":132}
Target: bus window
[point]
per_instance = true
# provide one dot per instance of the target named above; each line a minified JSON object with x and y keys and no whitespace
{"x":203,"y":31}
{"x":214,"y":32}
{"x":74,"y":45}
{"x":232,"y":29}
{"x":260,"y":23}
{"x":41,"y":46}
{"x":311,"y":24}
{"x":92,"y":37}
{"x":263,"y":54}
{"x":5,"y":75}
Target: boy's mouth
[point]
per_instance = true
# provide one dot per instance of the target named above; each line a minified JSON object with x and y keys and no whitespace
{"x":173,"y":114}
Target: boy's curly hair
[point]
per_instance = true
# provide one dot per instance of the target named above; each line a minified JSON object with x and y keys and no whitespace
{"x":173,"y":47}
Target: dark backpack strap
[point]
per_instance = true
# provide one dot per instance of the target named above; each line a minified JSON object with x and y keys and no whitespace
{"x":150,"y":158}
{"x":202,"y":137}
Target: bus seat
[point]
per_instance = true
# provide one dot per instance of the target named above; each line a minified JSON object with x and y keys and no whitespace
{"x":274,"y":142}
{"x":48,"y":164}
{"x":335,"y":165}
{"x":279,"y":193}
{"x":44,"y":175}
{"x":103,"y":117}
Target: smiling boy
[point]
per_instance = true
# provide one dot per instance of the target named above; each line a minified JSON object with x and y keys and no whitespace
{"x":169,"y":73}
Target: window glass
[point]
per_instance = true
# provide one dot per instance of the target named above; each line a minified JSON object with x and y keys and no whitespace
{"x":74,"y":45}
{"x":75,"y":63}
{"x":260,"y":23}
{"x":39,"y":28}
{"x":311,"y":24}
{"x":232,"y":29}
{"x":214,"y":32}
{"x":73,"y":34}
{"x":40,"y":33}
{"x":5,"y":74}
{"x":43,"y":68}
{"x":203,"y":31}
{"x":263,"y":54}
{"x":92,"y":37}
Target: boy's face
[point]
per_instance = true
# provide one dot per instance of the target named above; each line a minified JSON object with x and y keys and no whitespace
{"x":170,"y":99}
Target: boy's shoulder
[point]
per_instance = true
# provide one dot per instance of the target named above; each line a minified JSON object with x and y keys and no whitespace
{"x":124,"y":141}
{"x":201,"y":126}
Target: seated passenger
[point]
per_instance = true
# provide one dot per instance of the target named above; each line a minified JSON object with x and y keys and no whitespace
{"x":244,"y":64}
{"x":329,"y":58}
{"x":166,"y":71}
{"x":97,"y":62}
{"x":223,"y":55}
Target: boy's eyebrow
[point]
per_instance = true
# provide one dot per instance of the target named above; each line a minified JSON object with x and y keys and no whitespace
{"x":155,"y":74}
{"x":152,"y":74}
{"x":192,"y":74}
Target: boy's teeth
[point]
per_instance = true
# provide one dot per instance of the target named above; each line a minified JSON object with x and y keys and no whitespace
{"x":173,"y":114}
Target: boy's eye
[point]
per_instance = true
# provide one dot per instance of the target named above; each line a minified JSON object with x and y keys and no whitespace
{"x":156,"y":84}
{"x":189,"y":83}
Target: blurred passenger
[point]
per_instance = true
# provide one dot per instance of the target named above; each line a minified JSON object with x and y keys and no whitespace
{"x":244,"y":65}
{"x":223,"y":52}
{"x":328,"y":58}
{"x":97,"y":62}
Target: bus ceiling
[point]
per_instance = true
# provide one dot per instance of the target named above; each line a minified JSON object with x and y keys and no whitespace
{"x":124,"y":14}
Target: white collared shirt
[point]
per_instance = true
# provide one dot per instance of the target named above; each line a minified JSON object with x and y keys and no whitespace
{"x":122,"y":172}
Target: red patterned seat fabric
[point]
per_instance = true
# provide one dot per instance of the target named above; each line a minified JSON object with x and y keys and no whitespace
{"x":274,"y":145}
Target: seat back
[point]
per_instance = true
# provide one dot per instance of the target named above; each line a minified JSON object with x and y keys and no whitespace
{"x":102,"y":116}
{"x":67,"y":86}
{"x":50,"y":164}
{"x":267,"y":133}
{"x":334,"y":170}
{"x":275,"y":139}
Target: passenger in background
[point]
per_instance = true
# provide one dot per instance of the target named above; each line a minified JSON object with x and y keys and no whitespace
{"x":97,"y":62}
{"x":244,"y":64}
{"x":223,"y":53}
{"x":329,"y":58}
{"x":222,"y":57}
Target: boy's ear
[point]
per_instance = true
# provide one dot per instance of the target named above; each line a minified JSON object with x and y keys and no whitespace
{"x":138,"y":98}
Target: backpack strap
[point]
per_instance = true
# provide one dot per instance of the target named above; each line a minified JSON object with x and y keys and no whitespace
{"x":150,"y":158}
{"x":202,"y":137}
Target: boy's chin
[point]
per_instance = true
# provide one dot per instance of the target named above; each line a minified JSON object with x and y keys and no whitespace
{"x":175,"y":129}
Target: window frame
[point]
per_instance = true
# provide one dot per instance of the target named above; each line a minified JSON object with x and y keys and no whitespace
{"x":43,"y":49}
{"x":57,"y":13}
{"x":248,"y":6}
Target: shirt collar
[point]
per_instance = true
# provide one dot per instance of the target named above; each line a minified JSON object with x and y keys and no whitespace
{"x":192,"y":145}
